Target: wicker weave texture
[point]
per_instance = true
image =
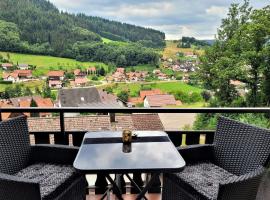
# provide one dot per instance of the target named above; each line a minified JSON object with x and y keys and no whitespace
{"x":14,"y":145}
{"x":240,"y":148}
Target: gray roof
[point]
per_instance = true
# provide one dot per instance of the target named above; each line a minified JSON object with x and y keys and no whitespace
{"x":87,"y":97}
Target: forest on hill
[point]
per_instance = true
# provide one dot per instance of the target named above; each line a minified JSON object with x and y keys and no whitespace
{"x":38,"y":27}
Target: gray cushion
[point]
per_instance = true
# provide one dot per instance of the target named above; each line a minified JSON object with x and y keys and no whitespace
{"x":205,"y":178}
{"x":50,"y":177}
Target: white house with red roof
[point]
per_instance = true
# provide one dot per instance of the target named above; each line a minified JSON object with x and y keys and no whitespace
{"x":159,"y":100}
{"x":7,"y":66}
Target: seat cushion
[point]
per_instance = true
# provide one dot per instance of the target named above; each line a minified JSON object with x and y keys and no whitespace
{"x":52,"y":178}
{"x":204,"y":178}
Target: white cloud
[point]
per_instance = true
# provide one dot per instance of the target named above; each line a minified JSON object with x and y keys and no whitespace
{"x":176,"y":18}
{"x":217,"y":11}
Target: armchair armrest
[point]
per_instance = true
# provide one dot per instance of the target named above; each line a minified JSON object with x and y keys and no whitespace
{"x":244,"y":186}
{"x":60,"y":154}
{"x":197,"y":153}
{"x":16,"y":188}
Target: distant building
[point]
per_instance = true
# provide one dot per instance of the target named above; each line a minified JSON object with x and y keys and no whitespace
{"x":79,"y":74}
{"x":57,"y":84}
{"x":24,"y":74}
{"x":79,"y":82}
{"x":10,"y":77}
{"x":56,"y":75}
{"x":87,"y":97}
{"x":7,"y":66}
{"x":144,"y":93}
{"x":17,"y":76}
{"x":120,"y":70}
{"x":159,"y":100}
{"x":23,"y":66}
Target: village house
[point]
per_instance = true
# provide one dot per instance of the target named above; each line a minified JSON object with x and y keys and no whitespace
{"x":159,"y":100}
{"x":24,"y":75}
{"x":120,"y":70}
{"x":240,"y":87}
{"x":7,"y":66}
{"x":185,"y":78}
{"x":119,"y":77}
{"x":55,"y":79}
{"x":79,"y":74}
{"x":56,"y":75}
{"x":10,"y":77}
{"x":91,"y":70}
{"x":133,"y":101}
{"x":23,"y":66}
{"x":162,"y":77}
{"x":17,"y":76}
{"x":136,"y":76}
{"x":190,"y":55}
{"x":87,"y":97}
{"x":55,"y":84}
{"x":79,"y":82}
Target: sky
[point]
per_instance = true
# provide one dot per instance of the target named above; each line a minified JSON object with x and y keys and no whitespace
{"x":177,"y":18}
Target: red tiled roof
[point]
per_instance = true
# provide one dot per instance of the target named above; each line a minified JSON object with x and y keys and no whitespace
{"x":98,"y":123}
{"x":144,"y":93}
{"x":44,"y":102}
{"x":7,"y":65}
{"x":81,"y":80}
{"x":56,"y":73}
{"x":120,"y":70}
{"x":135,"y":100}
{"x":23,"y":72}
{"x":153,"y":122}
{"x":77,"y":72}
{"x":6,"y":75}
{"x":161,"y":100}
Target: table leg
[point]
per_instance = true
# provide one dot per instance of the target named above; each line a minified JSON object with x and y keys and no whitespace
{"x":135,"y":184}
{"x":115,"y":188}
{"x":146,"y":188}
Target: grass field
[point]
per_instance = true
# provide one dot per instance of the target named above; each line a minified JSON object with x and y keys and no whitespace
{"x":148,"y":68}
{"x":31,"y":84}
{"x":106,"y":41}
{"x":171,"y":50}
{"x":167,"y":87}
{"x":47,"y":63}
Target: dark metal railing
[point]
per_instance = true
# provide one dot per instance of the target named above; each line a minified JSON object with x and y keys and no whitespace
{"x":62,"y":136}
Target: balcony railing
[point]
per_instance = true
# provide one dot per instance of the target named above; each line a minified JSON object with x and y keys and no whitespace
{"x":62,"y":136}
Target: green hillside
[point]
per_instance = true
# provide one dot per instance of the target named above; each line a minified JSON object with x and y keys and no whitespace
{"x":46,"y":63}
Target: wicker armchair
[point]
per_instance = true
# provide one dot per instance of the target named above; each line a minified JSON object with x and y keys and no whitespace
{"x":230,"y":169}
{"x":36,"y":172}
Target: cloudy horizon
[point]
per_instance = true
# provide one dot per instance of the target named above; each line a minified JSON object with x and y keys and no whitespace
{"x":176,"y":18}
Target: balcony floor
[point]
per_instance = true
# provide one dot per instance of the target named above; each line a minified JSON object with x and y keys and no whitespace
{"x":126,"y":197}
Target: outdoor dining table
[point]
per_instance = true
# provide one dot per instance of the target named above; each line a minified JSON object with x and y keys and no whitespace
{"x":149,"y":152}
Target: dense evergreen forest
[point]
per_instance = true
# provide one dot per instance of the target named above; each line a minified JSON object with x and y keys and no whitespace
{"x":187,"y":42}
{"x":38,"y":27}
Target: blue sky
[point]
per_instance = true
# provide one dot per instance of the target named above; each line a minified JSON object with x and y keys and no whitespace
{"x":177,"y":18}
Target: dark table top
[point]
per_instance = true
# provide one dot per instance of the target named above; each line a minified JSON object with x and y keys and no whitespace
{"x":152,"y":151}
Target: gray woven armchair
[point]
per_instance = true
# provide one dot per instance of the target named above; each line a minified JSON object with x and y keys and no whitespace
{"x":230,"y":169}
{"x":36,"y":172}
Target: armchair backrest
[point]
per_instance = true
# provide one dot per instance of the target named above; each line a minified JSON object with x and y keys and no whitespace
{"x":14,"y":145}
{"x":241,"y":148}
